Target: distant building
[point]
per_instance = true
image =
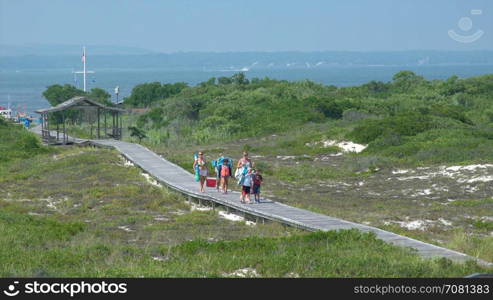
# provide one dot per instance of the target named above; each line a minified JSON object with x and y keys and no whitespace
{"x":6,"y":113}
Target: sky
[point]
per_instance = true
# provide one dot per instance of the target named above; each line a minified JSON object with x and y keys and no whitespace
{"x":252,"y":25}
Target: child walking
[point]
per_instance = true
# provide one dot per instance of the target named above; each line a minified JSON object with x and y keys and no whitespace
{"x":246,"y":185}
{"x":225,"y":174}
{"x":257,"y":181}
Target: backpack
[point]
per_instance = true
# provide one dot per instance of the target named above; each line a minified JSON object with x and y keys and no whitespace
{"x":225,"y":171}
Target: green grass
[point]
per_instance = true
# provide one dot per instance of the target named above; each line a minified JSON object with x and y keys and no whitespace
{"x":307,"y":172}
{"x":47,"y":247}
{"x":332,"y":187}
{"x":473,"y":202}
{"x":80,"y":212}
{"x":482,"y":225}
{"x":17,"y":143}
{"x":474,"y":245}
{"x":91,"y":184}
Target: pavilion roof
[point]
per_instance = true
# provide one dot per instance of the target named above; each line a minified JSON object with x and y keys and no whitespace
{"x":78,"y":102}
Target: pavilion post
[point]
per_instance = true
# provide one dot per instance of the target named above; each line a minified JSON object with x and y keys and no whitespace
{"x":117,"y":126}
{"x":47,"y":128}
{"x":105,"y":133}
{"x":121,"y":126}
{"x":98,"y":124}
{"x":64,"y":133}
{"x":113,"y":126}
{"x":42,"y":126}
{"x":89,"y":117}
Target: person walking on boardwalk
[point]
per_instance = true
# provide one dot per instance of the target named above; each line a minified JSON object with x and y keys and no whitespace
{"x":257,"y":181}
{"x":217,"y":164}
{"x":246,"y":187}
{"x":201,"y":164}
{"x":225,"y":174}
{"x":244,"y":162}
{"x":241,"y":170}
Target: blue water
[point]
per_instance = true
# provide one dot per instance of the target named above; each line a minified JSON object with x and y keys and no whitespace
{"x":25,"y":87}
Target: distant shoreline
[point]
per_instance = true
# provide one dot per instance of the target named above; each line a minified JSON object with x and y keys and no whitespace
{"x":25,"y":86}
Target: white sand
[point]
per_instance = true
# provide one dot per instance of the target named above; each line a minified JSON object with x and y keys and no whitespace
{"x":52,"y":203}
{"x":413,"y":225}
{"x":477,"y":179}
{"x":160,"y":218}
{"x":419,"y":224}
{"x":126,"y":162}
{"x":468,"y":168}
{"x":424,"y":192}
{"x":346,"y":146}
{"x":234,"y":218}
{"x":125,"y":228}
{"x":160,"y":258}
{"x":424,"y":177}
{"x":445,"y":222}
{"x":462,"y":174}
{"x":245,"y":272}
{"x":285,"y":157}
{"x":151,"y":180}
{"x":194,"y":207}
{"x":336,"y":154}
{"x":400,"y":171}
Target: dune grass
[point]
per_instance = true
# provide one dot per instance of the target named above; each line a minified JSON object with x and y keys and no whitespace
{"x":45,"y":246}
{"x":82,"y":212}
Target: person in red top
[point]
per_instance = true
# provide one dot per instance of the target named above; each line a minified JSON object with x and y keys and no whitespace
{"x":225,"y":174}
{"x":257,"y":181}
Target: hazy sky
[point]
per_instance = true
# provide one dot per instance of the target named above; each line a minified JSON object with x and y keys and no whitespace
{"x":259,"y":25}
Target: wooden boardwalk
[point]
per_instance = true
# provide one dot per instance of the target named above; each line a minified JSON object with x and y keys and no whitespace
{"x":178,"y":179}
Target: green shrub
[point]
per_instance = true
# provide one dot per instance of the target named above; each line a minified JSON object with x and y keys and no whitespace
{"x":353,"y":115}
{"x":401,"y":125}
{"x":17,"y":142}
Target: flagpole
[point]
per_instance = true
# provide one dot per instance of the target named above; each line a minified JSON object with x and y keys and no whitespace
{"x":84,"y":71}
{"x":84,"y":56}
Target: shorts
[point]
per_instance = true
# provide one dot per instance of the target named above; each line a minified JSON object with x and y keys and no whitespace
{"x":256,"y":188}
{"x":203,"y":172}
{"x":245,"y":190}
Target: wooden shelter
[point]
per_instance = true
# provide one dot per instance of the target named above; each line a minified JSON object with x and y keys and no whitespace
{"x":82,"y":103}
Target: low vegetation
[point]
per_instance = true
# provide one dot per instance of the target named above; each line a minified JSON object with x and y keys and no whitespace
{"x":409,"y":123}
{"x":409,"y":120}
{"x":86,"y":212}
